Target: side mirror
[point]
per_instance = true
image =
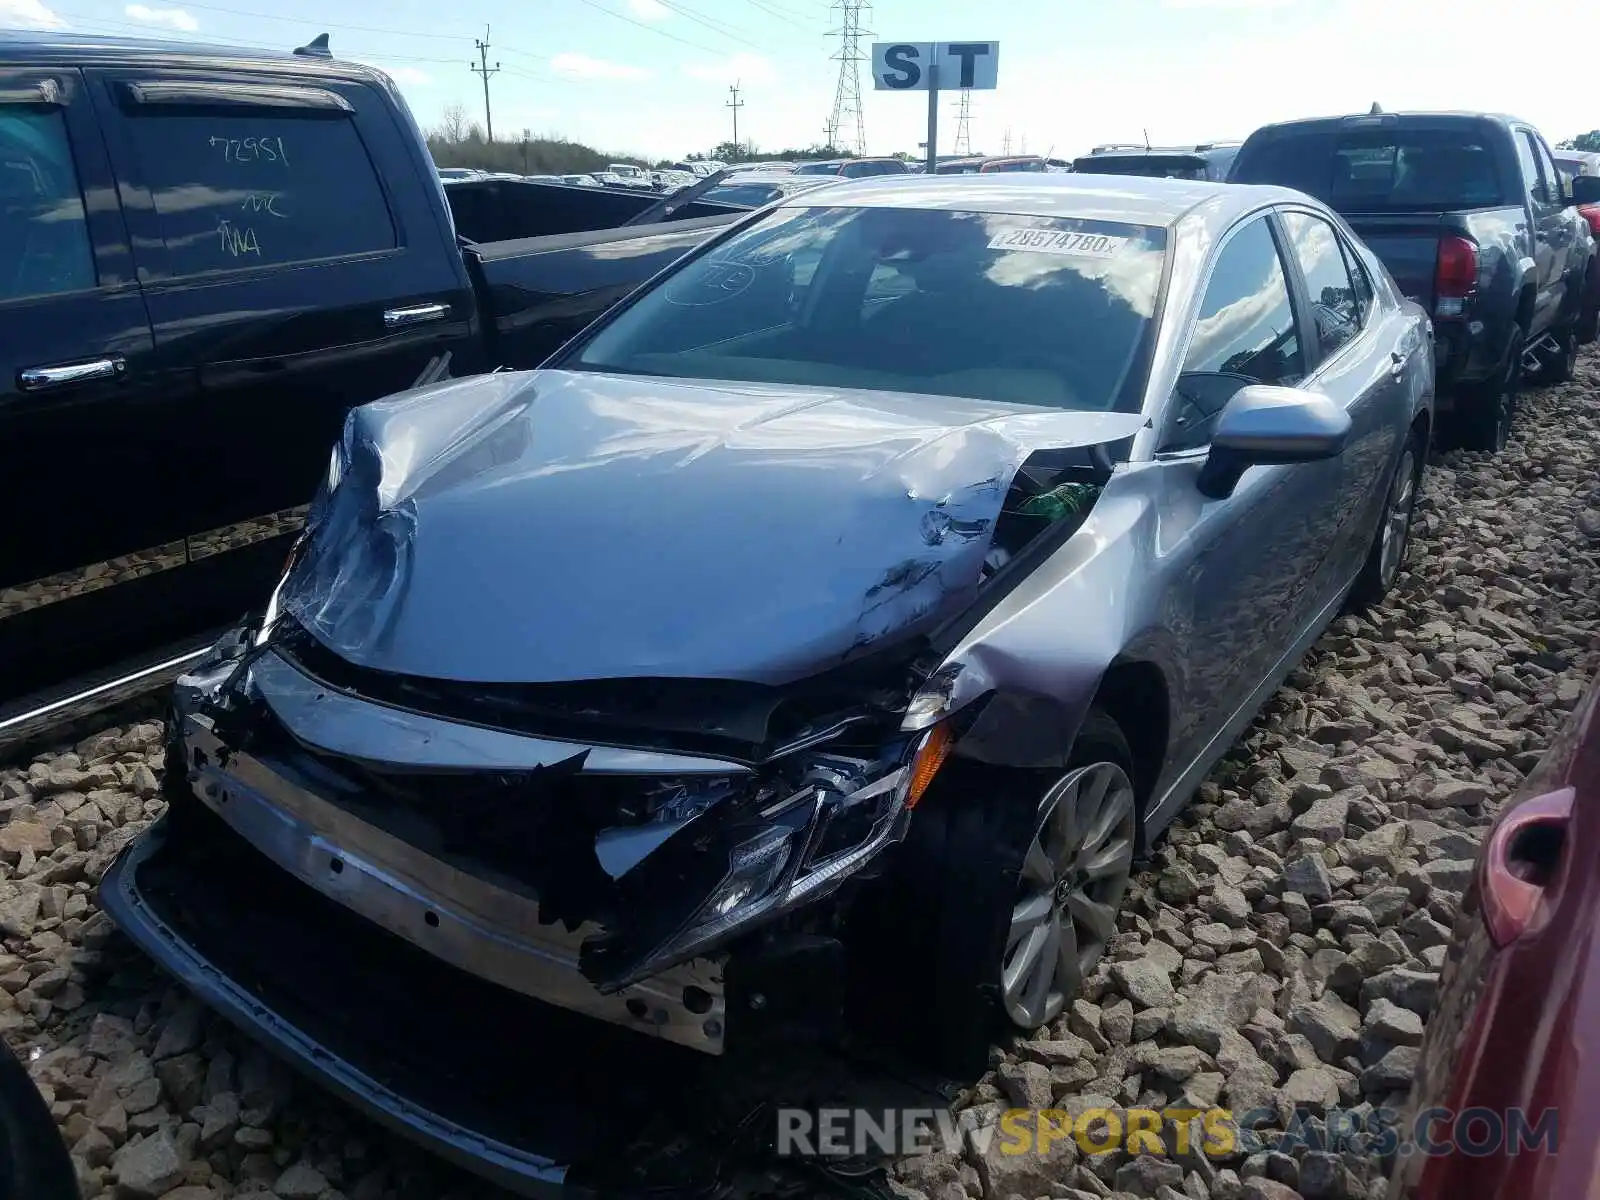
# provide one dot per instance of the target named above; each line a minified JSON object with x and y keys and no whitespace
{"x":1585,"y":190}
{"x":1262,"y":426}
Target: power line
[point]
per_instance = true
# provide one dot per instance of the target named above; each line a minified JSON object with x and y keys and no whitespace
{"x":317,"y":21}
{"x":772,"y":11}
{"x":721,"y":28}
{"x":594,"y":4}
{"x":483,"y":68}
{"x":847,"y":94}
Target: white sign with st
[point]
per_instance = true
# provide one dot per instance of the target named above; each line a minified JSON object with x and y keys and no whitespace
{"x":903,"y":66}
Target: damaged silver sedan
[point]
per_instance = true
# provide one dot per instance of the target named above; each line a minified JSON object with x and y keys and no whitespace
{"x":812,"y":645}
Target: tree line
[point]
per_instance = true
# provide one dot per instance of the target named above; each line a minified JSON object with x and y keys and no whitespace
{"x":458,"y":141}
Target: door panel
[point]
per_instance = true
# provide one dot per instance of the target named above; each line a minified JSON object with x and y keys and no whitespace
{"x":1549,"y":253}
{"x":1256,"y":554}
{"x":1355,"y":370}
{"x":87,"y":491}
{"x":286,"y":277}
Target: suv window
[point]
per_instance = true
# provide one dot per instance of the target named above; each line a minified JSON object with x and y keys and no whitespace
{"x":235,"y":191}
{"x":1378,"y":170}
{"x":1245,"y":333}
{"x":1555,"y":186}
{"x":44,"y":235}
{"x":1333,"y":296}
{"x":1528,"y":160}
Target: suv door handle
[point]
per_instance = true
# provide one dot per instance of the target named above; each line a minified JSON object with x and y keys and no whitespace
{"x":36,"y":379}
{"x":416,"y":314}
{"x":1397,"y":363}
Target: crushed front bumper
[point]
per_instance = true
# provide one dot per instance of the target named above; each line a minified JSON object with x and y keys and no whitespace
{"x":397,"y":1037}
{"x":463,"y":920}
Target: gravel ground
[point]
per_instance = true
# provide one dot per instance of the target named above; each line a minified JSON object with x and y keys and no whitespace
{"x":1282,"y":948}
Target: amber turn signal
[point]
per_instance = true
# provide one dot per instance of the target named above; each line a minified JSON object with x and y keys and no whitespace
{"x":929,"y":758}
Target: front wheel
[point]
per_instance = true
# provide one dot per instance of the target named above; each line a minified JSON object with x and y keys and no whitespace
{"x":1001,"y":900}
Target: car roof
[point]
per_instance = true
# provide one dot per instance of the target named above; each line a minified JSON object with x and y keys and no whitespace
{"x":1131,"y":199}
{"x":1369,"y":120}
{"x":35,"y":46}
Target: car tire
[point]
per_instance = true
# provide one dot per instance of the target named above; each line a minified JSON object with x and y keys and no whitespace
{"x":34,"y":1161}
{"x":1387,"y":555}
{"x":1483,"y":411}
{"x":1555,"y":365}
{"x":971,"y":859}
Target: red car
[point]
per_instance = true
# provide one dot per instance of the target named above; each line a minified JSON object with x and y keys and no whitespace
{"x":1505,"y":1083}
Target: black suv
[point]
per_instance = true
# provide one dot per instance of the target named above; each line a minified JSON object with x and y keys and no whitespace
{"x":1468,"y":212}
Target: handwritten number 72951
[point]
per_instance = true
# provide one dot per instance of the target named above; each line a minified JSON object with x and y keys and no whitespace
{"x":252,"y":149}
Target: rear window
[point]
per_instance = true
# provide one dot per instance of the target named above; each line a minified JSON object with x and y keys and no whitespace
{"x":817,"y":169}
{"x":1379,"y":170}
{"x":44,"y":238}
{"x":1147,"y":166}
{"x":238,"y":191}
{"x":1053,"y":312}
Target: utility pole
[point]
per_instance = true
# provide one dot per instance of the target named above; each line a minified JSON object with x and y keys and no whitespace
{"x":830,"y":131}
{"x":527,"y":136}
{"x":735,"y":104}
{"x":1005,"y":142}
{"x":482,"y":67}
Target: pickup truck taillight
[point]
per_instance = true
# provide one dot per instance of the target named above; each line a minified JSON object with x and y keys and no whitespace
{"x":1456,"y":276}
{"x":1591,"y":214}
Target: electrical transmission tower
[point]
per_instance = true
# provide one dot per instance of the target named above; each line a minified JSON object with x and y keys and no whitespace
{"x":964,"y":123}
{"x":846,"y":119}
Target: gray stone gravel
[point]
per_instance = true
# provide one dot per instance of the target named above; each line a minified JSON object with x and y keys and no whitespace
{"x":1283,"y":943}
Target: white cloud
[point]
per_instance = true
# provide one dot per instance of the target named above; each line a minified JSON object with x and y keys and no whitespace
{"x":649,"y":10}
{"x":412,"y":75}
{"x":585,"y":67}
{"x":741,"y":68}
{"x":168,"y":18}
{"x":28,"y":14}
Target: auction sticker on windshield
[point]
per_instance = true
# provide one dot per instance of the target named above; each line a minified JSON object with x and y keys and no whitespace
{"x":1057,"y":241}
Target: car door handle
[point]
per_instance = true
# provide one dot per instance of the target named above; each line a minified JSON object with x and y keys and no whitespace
{"x":1397,"y":363}
{"x":37,"y":379}
{"x":415,"y":314}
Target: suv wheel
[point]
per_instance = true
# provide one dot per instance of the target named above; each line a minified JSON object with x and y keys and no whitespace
{"x":1483,"y":411}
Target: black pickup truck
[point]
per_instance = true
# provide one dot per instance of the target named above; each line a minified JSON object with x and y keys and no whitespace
{"x":206,"y":259}
{"x":1468,"y":212}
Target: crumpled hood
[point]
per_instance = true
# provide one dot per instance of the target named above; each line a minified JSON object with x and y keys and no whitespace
{"x":551,"y":525}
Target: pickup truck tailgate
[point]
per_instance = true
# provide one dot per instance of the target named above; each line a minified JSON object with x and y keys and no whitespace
{"x":1406,"y":243}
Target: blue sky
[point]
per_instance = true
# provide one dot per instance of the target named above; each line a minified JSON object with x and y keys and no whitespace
{"x":651,"y":76}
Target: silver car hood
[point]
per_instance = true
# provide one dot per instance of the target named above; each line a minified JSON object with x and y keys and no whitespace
{"x":550,"y":525}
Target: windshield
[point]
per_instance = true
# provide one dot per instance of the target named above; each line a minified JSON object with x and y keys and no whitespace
{"x":1050,"y":311}
{"x":1390,"y":170}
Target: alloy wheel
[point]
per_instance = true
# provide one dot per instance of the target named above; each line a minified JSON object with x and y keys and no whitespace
{"x":1397,"y":518}
{"x":1071,"y":884}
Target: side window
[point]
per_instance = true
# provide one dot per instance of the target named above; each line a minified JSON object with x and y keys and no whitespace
{"x":1528,"y":161}
{"x":1328,"y":285}
{"x":44,"y":235}
{"x":1245,"y":333}
{"x":1361,"y":280}
{"x":1556,"y":187}
{"x":236,"y":191}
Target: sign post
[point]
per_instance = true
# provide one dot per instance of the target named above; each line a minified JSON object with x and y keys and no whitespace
{"x":916,"y":67}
